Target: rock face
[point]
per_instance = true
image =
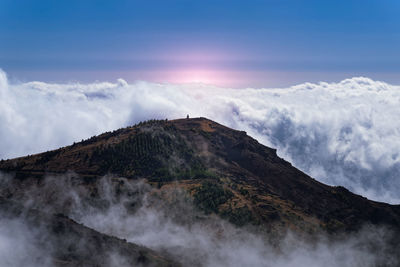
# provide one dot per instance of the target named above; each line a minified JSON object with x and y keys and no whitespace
{"x":224,"y":171}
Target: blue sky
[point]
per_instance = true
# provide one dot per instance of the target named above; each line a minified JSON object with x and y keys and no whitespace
{"x":229,"y":43}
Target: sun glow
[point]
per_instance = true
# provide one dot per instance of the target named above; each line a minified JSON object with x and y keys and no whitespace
{"x":216,"y":77}
{"x":197,"y":77}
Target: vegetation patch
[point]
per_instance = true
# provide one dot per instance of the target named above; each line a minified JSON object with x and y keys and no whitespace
{"x":239,"y":216}
{"x":210,"y":195}
{"x":158,"y":153}
{"x":47,"y":156}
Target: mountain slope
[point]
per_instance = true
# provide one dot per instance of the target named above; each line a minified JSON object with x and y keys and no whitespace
{"x":225,"y":172}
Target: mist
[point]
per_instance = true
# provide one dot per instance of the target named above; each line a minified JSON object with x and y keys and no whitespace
{"x":166,"y":221}
{"x":17,"y":245}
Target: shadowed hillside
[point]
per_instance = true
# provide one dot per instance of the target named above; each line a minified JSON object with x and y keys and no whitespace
{"x":67,"y":243}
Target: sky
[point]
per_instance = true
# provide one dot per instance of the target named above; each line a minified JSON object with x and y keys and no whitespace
{"x":226,"y":43}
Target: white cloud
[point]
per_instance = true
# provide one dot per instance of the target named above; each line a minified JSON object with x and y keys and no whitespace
{"x":345,"y":133}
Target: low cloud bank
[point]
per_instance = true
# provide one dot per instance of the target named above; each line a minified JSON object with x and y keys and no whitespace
{"x":17,"y":245}
{"x":345,"y":133}
{"x":169,"y":224}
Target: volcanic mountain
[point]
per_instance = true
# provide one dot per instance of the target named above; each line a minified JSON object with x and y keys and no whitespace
{"x":223,"y":171}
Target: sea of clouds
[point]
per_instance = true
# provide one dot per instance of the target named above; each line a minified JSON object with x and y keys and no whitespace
{"x":345,"y":133}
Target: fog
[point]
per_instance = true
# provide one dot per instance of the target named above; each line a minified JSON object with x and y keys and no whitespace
{"x":17,"y":245}
{"x":166,"y":221}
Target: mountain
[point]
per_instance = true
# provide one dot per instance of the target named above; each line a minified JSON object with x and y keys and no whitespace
{"x":212,"y":160}
{"x":223,"y":171}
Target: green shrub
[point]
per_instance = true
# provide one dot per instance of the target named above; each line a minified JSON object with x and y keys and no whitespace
{"x":210,"y":195}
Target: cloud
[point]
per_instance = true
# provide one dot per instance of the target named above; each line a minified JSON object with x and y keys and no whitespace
{"x":344,"y":133}
{"x":17,"y":245}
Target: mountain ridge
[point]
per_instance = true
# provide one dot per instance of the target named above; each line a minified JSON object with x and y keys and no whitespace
{"x":250,"y":183}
